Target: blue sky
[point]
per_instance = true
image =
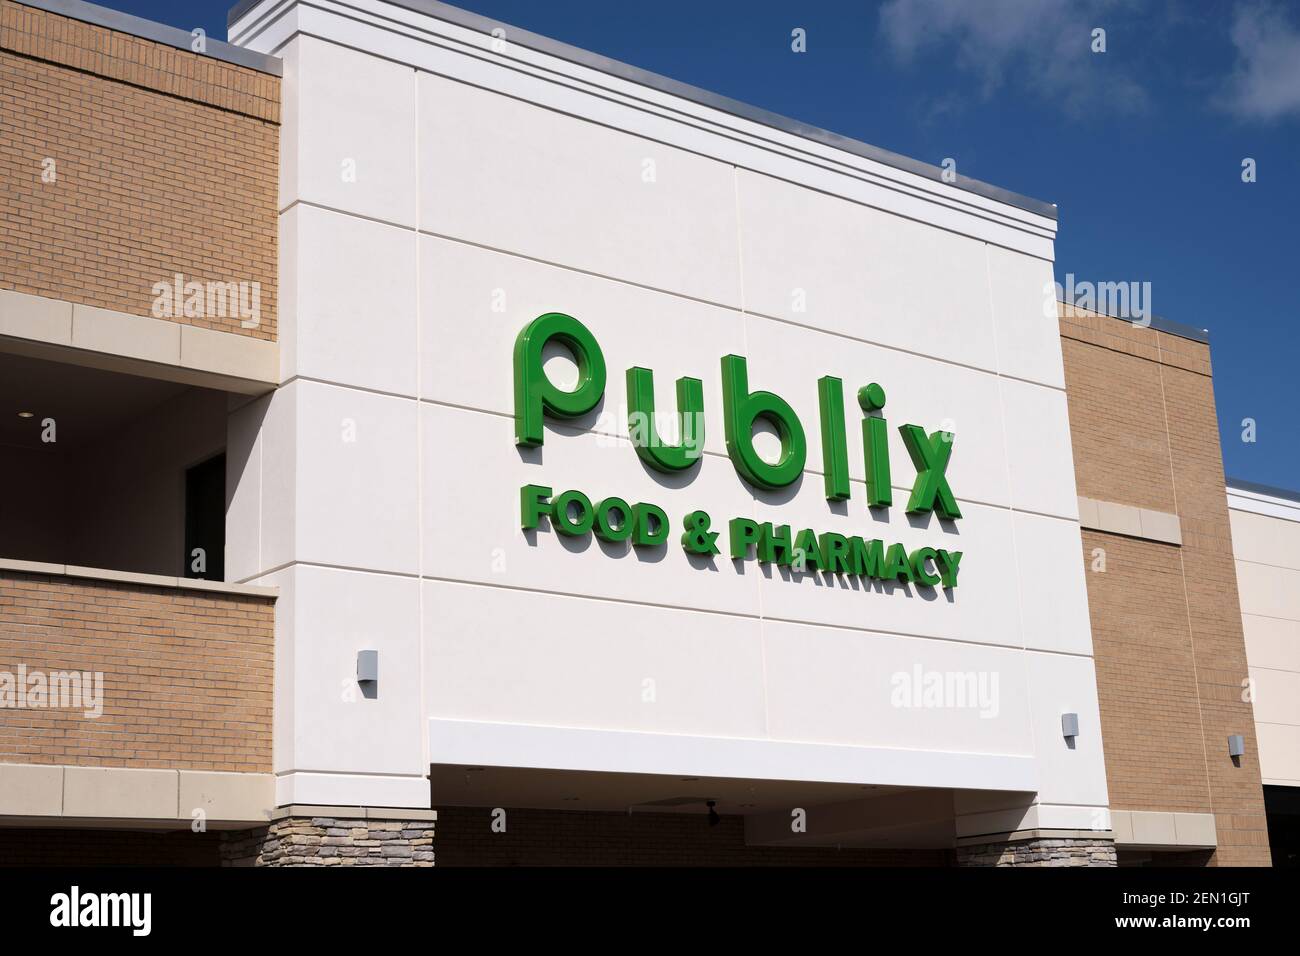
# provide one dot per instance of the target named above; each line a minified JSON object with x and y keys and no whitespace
{"x":1141,"y":147}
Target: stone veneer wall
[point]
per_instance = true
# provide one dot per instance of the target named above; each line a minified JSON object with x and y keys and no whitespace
{"x":332,"y":841}
{"x":1042,"y":851}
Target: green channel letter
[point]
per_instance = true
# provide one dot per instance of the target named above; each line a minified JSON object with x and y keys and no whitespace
{"x":868,"y":557}
{"x":835,"y":553}
{"x":649,"y":526}
{"x":743,"y":533}
{"x":534,"y":504}
{"x":641,"y":421}
{"x":572,"y":514}
{"x":875,"y":447}
{"x":535,"y":395}
{"x":949,"y":562}
{"x":835,"y":450}
{"x":897,"y":567}
{"x":920,"y":572}
{"x":741,"y":408}
{"x":608,"y":529}
{"x":930,"y":456}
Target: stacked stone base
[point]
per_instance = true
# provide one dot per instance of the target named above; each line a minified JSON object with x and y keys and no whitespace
{"x":1040,"y":851}
{"x":359,"y":840}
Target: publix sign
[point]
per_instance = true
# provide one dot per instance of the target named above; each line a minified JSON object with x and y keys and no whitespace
{"x":647,"y":525}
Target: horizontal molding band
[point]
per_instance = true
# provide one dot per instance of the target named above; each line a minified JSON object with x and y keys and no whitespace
{"x":740,"y":310}
{"x":1130,"y":521}
{"x":132,"y":577}
{"x":355,"y":813}
{"x":1020,"y":836}
{"x":480,"y":743}
{"x":1163,"y":830}
{"x":576,"y":596}
{"x":111,"y":794}
{"x":1254,"y":498}
{"x":158,"y":32}
{"x":74,"y":334}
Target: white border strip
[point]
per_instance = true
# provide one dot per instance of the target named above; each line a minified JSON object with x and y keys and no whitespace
{"x":423,"y":41}
{"x":475,"y":743}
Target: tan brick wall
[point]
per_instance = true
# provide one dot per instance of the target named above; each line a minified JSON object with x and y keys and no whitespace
{"x":1146,"y":684}
{"x":187,"y":674}
{"x":166,"y":162}
{"x":1166,"y":622}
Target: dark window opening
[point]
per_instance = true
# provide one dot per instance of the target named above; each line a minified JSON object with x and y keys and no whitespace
{"x":205,"y":520}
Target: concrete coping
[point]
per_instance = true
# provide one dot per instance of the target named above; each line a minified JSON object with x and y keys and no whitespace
{"x":1155,"y":322}
{"x":1240,"y":485}
{"x":1019,"y":836}
{"x":71,"y":333}
{"x":1164,"y":830}
{"x":132,"y":796}
{"x":1115,"y":518}
{"x":355,"y":813}
{"x":158,"y":32}
{"x":132,"y":577}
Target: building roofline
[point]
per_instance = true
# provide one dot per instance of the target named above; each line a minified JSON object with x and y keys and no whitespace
{"x":664,"y":84}
{"x":1180,"y":329}
{"x":158,"y":32}
{"x":1168,"y":326}
{"x":1240,"y":484}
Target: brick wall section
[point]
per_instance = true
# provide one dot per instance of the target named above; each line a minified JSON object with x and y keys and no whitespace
{"x":187,"y":674}
{"x":1146,"y":676}
{"x":166,"y":162}
{"x":1166,"y":621}
{"x":586,"y":838}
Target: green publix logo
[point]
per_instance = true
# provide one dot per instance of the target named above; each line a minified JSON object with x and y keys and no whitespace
{"x":646,"y":525}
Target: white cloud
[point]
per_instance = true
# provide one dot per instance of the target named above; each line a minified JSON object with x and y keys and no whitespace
{"x":1266,"y":82}
{"x":1042,"y":45}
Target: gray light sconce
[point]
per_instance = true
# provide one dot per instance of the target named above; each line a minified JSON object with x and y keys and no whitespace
{"x":368,"y":672}
{"x":1236,"y":745}
{"x":1070,"y":726}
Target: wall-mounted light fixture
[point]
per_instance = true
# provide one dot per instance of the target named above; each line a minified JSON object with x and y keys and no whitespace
{"x":1236,"y":745}
{"x":368,"y":672}
{"x":1069,"y":726}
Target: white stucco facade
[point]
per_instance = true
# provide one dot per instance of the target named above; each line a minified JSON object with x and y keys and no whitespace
{"x":437,"y":194}
{"x":1266,"y":545}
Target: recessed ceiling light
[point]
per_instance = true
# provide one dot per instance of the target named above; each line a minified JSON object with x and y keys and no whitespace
{"x":26,"y":414}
